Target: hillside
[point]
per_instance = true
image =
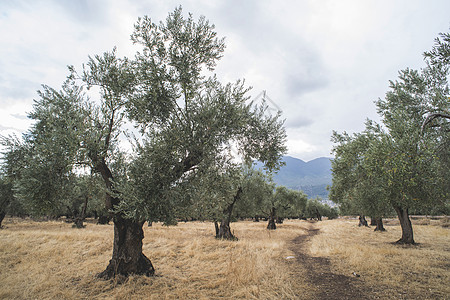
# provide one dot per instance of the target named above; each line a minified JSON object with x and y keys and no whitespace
{"x":312,"y":177}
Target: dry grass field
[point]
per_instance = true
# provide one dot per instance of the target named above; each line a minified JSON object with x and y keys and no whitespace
{"x":420,"y":271}
{"x":52,"y":260}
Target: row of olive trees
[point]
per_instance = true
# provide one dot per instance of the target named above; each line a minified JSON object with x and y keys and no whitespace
{"x":83,"y":197}
{"x":258,"y":197}
{"x":216,"y":199}
{"x":186,"y":124}
{"x":402,"y":164}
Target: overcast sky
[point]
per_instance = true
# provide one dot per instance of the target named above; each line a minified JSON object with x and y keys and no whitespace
{"x":322,"y":62}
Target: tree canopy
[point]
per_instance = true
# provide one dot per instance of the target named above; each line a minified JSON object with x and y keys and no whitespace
{"x":401,"y":163}
{"x":186,"y":121}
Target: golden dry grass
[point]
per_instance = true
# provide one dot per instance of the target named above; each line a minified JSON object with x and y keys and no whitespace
{"x":413,"y":272}
{"x":51,"y":260}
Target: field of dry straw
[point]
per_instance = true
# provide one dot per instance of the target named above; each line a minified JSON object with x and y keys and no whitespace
{"x":51,"y":260}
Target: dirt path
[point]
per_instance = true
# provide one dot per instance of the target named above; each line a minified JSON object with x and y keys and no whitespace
{"x":328,"y":285}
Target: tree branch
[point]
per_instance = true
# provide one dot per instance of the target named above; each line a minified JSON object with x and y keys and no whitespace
{"x":431,"y":117}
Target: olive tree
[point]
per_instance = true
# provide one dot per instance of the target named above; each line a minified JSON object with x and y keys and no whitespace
{"x":282,"y":203}
{"x":396,"y":164}
{"x":186,"y":126}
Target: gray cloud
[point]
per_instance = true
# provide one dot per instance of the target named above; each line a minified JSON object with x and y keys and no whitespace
{"x":297,"y":122}
{"x":83,"y":11}
{"x":20,"y":116}
{"x":8,"y":128}
{"x":16,"y":89}
{"x":300,"y":78}
{"x":323,"y":63}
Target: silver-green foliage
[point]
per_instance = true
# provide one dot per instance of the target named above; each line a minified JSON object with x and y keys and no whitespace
{"x":399,"y":163}
{"x":191,"y":123}
{"x":187,"y":124}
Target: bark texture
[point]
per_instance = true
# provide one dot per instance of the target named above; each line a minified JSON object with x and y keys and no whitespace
{"x":127,"y":255}
{"x":405,"y":223}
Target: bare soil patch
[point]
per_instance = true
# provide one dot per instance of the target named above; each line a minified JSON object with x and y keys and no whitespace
{"x":328,"y":285}
{"x":387,"y":270}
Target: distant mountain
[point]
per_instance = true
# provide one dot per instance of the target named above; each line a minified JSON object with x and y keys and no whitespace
{"x":311,"y":177}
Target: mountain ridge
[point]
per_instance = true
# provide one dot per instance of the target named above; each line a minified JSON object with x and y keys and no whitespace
{"x":312,"y":177}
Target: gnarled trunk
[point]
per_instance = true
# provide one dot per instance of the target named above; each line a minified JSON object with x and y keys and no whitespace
{"x":271,"y":225}
{"x":363,"y":221}
{"x":405,"y":223}
{"x":379,"y":224}
{"x":127,"y":257}
{"x":224,"y":229}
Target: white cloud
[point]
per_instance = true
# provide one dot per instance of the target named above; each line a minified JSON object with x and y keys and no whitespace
{"x":297,"y":147}
{"x":13,"y":118}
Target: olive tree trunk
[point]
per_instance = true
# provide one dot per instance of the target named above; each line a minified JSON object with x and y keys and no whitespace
{"x":4,"y":203}
{"x":318,"y":215}
{"x":405,"y":223}
{"x":78,"y":222}
{"x":224,"y":228}
{"x":379,"y":224}
{"x":127,"y":257}
{"x":363,"y":221}
{"x":2,"y":216}
{"x":216,"y":227}
{"x":271,"y":225}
